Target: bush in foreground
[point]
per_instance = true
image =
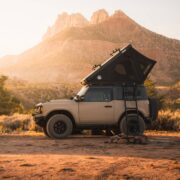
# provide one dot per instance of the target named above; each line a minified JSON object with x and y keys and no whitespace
{"x":17,"y":122}
{"x":168,"y":120}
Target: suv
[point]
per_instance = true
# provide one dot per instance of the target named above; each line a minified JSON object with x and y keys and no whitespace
{"x":97,"y":108}
{"x":113,"y":98}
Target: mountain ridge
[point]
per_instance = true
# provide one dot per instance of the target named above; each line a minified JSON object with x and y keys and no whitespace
{"x":69,"y":54}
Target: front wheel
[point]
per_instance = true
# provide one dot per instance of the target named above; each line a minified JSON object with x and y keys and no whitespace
{"x":59,"y":126}
{"x":45,"y":131}
{"x":133,"y":125}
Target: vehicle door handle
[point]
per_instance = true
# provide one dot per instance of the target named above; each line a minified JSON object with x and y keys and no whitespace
{"x":108,"y":106}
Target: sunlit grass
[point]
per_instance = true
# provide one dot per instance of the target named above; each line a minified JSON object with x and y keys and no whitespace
{"x":17,"y":122}
{"x":168,"y":120}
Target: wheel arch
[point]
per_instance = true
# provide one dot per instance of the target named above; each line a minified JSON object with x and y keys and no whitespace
{"x":65,"y":112}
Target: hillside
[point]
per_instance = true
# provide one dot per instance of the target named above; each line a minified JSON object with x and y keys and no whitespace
{"x":73,"y":44}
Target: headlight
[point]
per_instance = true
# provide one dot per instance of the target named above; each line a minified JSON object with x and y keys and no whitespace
{"x":39,"y":108}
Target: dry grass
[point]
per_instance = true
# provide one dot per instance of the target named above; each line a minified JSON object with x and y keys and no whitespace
{"x":168,"y":120}
{"x":17,"y":122}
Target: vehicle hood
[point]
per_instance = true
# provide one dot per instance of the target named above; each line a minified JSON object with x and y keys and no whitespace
{"x":61,"y":101}
{"x":59,"y":104}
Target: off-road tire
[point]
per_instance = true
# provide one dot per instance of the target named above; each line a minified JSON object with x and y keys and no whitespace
{"x":45,"y":131}
{"x":59,"y":126}
{"x":135,"y":126}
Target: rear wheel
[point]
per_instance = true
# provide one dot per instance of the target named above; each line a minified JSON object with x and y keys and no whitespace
{"x":59,"y":126}
{"x":133,"y":126}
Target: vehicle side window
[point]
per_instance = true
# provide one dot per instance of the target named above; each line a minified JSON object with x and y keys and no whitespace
{"x":98,"y":95}
{"x":119,"y":93}
{"x":141,"y":93}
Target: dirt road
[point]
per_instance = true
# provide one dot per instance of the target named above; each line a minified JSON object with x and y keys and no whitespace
{"x":78,"y":157}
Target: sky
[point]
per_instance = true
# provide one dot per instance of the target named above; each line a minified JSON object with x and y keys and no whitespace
{"x":23,"y":22}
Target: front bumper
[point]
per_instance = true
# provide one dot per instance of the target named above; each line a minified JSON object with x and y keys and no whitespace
{"x":39,"y":119}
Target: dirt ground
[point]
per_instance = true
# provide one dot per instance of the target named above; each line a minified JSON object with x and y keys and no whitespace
{"x":34,"y":156}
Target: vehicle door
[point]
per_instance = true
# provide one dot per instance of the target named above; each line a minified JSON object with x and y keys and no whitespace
{"x":97,"y":106}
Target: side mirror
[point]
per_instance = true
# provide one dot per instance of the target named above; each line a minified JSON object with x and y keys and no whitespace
{"x":81,"y":98}
{"x":78,"y":98}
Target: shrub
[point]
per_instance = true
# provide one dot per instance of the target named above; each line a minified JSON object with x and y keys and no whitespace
{"x":8,"y":103}
{"x":168,"y":120}
{"x":172,"y":99}
{"x":17,"y":122}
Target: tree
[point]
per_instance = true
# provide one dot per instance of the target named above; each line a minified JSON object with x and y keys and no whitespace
{"x":151,"y":90}
{"x":8,"y":103}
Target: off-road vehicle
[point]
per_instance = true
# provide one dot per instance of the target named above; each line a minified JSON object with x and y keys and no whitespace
{"x":113,"y":98}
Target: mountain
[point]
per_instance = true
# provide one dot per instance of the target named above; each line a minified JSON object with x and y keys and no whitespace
{"x":73,"y":45}
{"x":8,"y":60}
{"x":99,"y":16}
{"x":65,"y":21}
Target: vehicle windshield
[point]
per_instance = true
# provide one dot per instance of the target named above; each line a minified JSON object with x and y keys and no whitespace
{"x":83,"y":90}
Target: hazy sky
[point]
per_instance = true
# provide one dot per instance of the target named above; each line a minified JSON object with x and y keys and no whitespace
{"x":23,"y":22}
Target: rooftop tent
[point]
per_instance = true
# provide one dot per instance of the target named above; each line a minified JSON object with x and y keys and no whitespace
{"x":124,"y":66}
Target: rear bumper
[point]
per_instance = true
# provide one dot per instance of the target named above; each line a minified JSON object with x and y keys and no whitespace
{"x":39,"y":119}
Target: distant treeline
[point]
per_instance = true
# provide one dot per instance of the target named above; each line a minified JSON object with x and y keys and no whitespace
{"x":21,"y":96}
{"x":9,"y":104}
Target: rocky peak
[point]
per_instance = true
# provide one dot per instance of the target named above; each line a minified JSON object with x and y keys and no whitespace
{"x":64,"y":21}
{"x":99,"y":16}
{"x":119,"y":13}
